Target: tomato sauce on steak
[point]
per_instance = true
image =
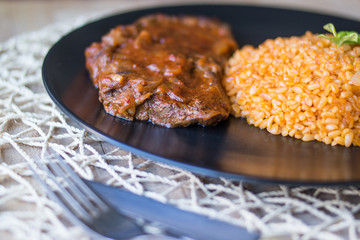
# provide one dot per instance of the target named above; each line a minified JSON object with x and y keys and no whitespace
{"x":163,"y":69}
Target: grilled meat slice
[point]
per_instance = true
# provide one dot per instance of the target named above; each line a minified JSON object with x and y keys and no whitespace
{"x":164,"y":69}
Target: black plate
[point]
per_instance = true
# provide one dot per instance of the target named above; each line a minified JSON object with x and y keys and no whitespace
{"x":231,"y":149}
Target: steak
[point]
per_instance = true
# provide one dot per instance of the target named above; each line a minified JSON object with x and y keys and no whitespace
{"x":164,"y":69}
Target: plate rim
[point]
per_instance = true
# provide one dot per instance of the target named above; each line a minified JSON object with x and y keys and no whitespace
{"x":207,"y":172}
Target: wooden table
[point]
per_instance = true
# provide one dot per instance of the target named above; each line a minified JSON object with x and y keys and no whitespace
{"x":23,"y":16}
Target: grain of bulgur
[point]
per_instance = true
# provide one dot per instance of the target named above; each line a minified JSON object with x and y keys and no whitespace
{"x":303,"y":87}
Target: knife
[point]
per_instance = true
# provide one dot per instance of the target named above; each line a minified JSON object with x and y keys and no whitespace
{"x":175,"y":221}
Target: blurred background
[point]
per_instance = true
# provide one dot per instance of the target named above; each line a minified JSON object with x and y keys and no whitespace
{"x":17,"y":16}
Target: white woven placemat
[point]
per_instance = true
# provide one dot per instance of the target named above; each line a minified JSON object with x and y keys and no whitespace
{"x":30,"y":123}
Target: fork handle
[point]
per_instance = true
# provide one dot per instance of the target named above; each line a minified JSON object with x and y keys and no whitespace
{"x":174,"y":220}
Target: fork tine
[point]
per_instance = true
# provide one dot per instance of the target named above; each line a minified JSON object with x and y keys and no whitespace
{"x":72,"y":188}
{"x":87,"y":193}
{"x":105,"y":222}
{"x":66,"y":198}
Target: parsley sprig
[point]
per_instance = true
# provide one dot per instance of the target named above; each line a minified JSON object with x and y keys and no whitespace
{"x":341,"y":37}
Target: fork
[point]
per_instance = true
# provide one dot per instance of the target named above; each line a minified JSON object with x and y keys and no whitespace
{"x":82,"y":205}
{"x":103,"y":221}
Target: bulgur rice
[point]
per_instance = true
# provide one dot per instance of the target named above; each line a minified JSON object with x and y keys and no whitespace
{"x":304,"y":87}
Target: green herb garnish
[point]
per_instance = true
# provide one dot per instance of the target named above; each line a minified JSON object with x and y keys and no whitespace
{"x":341,"y":37}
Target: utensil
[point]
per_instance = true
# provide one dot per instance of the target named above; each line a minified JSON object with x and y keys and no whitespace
{"x":83,"y":205}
